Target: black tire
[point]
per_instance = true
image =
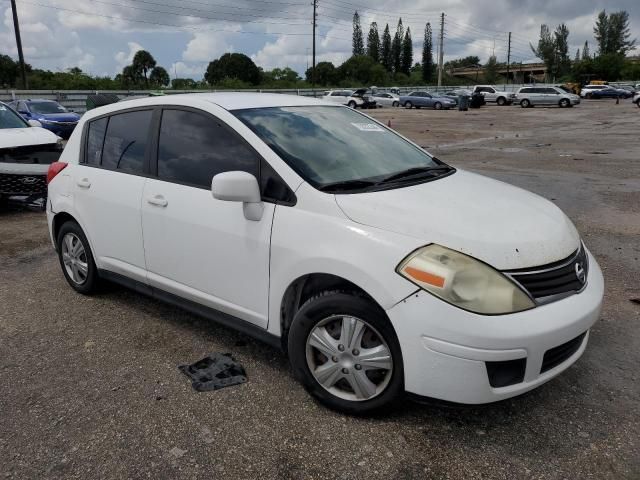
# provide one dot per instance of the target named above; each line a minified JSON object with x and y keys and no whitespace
{"x":395,"y":104}
{"x":525,"y":103}
{"x":589,"y":95}
{"x":501,"y":101}
{"x":437,"y":106}
{"x":408,"y":104}
{"x":91,"y":282}
{"x":338,"y":303}
{"x":638,"y":103}
{"x":564,"y":103}
{"x":352,"y":104}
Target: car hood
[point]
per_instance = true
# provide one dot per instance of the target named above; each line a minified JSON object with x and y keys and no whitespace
{"x":22,"y":137}
{"x":500,"y":224}
{"x":59,"y":117}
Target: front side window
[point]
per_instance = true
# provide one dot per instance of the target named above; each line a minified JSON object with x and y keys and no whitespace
{"x":329,"y":145}
{"x":194,"y":147}
{"x":125,"y":142}
{"x":95,"y":140}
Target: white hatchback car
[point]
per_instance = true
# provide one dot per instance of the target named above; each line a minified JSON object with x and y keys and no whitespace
{"x":377,"y":267}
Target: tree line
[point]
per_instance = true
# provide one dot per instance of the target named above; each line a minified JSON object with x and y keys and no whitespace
{"x":612,"y":36}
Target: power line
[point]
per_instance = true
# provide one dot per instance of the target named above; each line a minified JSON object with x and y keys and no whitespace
{"x":163,"y":24}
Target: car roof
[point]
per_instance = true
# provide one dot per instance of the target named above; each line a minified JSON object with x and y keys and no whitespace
{"x":227,"y":100}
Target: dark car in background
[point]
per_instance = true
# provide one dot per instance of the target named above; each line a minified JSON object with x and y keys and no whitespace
{"x":53,"y":116}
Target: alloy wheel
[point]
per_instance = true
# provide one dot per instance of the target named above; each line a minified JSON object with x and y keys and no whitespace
{"x":74,"y":258}
{"x":349,"y":358}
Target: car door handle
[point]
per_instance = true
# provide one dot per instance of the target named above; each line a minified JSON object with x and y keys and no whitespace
{"x":84,"y":183}
{"x":158,"y":201}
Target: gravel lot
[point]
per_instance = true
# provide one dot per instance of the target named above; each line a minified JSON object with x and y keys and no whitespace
{"x":90,"y":388}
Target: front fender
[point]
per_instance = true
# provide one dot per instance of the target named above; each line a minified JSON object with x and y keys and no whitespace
{"x":304,"y":242}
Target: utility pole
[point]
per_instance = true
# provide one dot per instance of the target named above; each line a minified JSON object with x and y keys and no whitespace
{"x":441,"y":53}
{"x":16,"y":27}
{"x":508,"y":58}
{"x":313,"y":62}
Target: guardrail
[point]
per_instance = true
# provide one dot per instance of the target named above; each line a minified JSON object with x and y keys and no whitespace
{"x":75,"y":100}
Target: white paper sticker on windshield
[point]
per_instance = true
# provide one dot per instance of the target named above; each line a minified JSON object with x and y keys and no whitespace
{"x":368,"y":127}
{"x":2,"y":108}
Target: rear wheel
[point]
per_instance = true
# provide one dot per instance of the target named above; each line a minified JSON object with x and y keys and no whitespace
{"x":525,"y":103}
{"x":345,"y":352}
{"x":76,"y":258}
{"x":564,"y":103}
{"x":437,"y":106}
{"x":501,"y":101}
{"x":408,"y":105}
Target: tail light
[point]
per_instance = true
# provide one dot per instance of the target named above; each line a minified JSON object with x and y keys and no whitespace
{"x":54,"y":169}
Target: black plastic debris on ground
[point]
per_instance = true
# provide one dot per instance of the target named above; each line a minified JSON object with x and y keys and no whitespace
{"x":214,"y":372}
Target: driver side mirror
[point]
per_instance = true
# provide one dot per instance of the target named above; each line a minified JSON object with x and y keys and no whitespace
{"x":34,"y":123}
{"x":238,"y":186}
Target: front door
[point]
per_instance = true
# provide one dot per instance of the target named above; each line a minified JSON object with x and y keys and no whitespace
{"x":197,"y":247}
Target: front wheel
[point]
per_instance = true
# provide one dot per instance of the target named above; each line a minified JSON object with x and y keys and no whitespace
{"x":345,"y":352}
{"x":395,"y":104}
{"x":76,"y":259}
{"x":502,"y":101}
{"x":437,"y":106}
{"x":638,"y":103}
{"x":352,"y":104}
{"x":564,"y":103}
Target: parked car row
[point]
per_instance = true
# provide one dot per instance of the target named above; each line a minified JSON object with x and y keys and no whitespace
{"x":604,"y":91}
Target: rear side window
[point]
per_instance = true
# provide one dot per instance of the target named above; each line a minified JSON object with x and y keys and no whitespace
{"x":95,"y":139}
{"x":526,"y":90}
{"x":194,"y":147}
{"x":125,"y":142}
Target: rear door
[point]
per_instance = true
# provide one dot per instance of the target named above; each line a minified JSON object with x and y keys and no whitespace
{"x":108,"y":185}
{"x":198,"y":247}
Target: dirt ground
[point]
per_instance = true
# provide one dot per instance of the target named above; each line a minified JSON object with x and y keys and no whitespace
{"x":89,"y":386}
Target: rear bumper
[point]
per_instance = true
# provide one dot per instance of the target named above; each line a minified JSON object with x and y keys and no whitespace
{"x":454,"y":355}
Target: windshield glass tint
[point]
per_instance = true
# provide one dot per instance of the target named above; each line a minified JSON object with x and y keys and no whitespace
{"x":9,"y":119}
{"x":46,"y":107}
{"x":333,"y":144}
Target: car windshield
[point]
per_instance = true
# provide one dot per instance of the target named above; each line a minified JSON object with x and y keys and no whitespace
{"x":46,"y":107}
{"x":10,"y":119}
{"x":331,"y":145}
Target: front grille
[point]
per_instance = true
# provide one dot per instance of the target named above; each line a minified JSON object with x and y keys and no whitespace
{"x":22,"y":184}
{"x":556,"y":278}
{"x":555,"y":356}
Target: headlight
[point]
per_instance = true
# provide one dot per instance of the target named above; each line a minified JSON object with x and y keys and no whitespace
{"x":463,"y":281}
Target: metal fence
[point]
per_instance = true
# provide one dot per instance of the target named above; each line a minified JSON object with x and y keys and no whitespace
{"x":75,"y":100}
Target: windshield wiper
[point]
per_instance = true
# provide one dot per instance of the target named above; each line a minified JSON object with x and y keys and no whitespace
{"x":347,"y":185}
{"x":414,"y":172}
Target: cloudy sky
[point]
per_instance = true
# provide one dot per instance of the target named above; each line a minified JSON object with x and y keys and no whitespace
{"x":101,"y":36}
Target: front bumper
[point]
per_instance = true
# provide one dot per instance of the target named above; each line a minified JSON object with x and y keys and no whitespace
{"x":447,"y":352}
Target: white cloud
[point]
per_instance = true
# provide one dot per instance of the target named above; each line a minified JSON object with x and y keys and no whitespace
{"x":125,"y":58}
{"x":206,"y":46}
